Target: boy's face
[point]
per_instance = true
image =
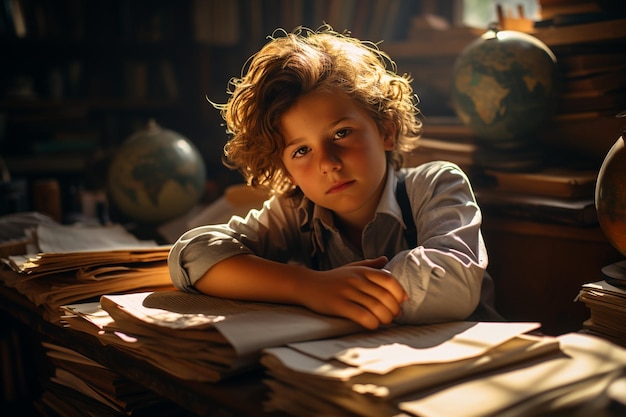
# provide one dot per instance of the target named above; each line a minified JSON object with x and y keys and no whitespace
{"x":335,"y":153}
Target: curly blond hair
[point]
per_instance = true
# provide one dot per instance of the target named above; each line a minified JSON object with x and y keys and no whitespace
{"x":293,"y":64}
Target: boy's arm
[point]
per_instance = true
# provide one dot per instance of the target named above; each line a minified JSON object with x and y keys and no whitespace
{"x":361,"y":291}
{"x":443,"y":274}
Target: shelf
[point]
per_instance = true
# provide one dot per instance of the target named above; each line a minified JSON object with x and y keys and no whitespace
{"x":44,"y":164}
{"x":423,"y":51}
{"x":88,"y":103}
{"x":95,"y":47}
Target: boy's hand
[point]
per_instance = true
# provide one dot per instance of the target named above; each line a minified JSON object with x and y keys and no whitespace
{"x":360,"y":291}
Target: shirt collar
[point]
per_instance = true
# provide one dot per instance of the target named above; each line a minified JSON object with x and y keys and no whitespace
{"x":310,"y":213}
{"x":388,"y":203}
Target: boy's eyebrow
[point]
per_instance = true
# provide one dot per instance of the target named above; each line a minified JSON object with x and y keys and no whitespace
{"x":330,"y":126}
{"x":292,"y":142}
{"x":341,"y":119}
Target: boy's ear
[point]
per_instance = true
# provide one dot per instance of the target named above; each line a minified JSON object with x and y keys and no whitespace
{"x":389,"y":136}
{"x":290,"y":178}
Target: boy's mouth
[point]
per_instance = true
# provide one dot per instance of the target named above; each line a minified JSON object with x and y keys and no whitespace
{"x":339,"y":186}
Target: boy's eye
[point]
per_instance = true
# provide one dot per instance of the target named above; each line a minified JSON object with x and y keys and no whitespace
{"x":300,"y":152}
{"x":342,"y":133}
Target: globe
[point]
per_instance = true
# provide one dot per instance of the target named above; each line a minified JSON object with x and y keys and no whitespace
{"x":610,"y":195}
{"x":156,"y":175}
{"x":505,"y":86}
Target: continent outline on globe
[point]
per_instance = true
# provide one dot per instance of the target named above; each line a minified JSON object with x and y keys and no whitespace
{"x":505,"y":86}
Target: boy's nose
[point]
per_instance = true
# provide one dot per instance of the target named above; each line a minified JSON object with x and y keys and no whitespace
{"x":329,"y":161}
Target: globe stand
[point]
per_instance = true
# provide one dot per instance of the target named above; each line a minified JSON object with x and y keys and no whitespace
{"x":615,"y":274}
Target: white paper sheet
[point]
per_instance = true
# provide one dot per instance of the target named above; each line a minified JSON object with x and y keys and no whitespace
{"x":382,"y":351}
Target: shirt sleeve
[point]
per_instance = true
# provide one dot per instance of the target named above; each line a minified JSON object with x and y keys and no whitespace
{"x":443,"y":274}
{"x":269,"y":232}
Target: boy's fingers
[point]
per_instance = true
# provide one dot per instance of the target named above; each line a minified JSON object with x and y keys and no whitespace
{"x":372,"y":263}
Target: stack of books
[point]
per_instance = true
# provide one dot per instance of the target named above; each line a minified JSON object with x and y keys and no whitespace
{"x":321,"y":365}
{"x":452,"y":369}
{"x":78,"y":383}
{"x":587,"y":38}
{"x":67,"y":264}
{"x":555,"y":195}
{"x":215,"y":338}
{"x":607,"y":306}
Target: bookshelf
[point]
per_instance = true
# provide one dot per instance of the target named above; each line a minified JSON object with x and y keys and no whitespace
{"x":82,"y":77}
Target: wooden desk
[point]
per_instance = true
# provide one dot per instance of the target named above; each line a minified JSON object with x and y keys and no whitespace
{"x":241,"y":396}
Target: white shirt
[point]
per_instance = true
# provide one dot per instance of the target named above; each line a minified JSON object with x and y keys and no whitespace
{"x":442,"y":275}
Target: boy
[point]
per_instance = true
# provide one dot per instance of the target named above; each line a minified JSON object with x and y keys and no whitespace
{"x":320,"y":121}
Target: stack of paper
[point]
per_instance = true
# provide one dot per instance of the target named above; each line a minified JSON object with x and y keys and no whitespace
{"x":78,"y":384}
{"x":67,"y":264}
{"x":453,"y":369}
{"x":607,"y":304}
{"x":213,"y":338}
